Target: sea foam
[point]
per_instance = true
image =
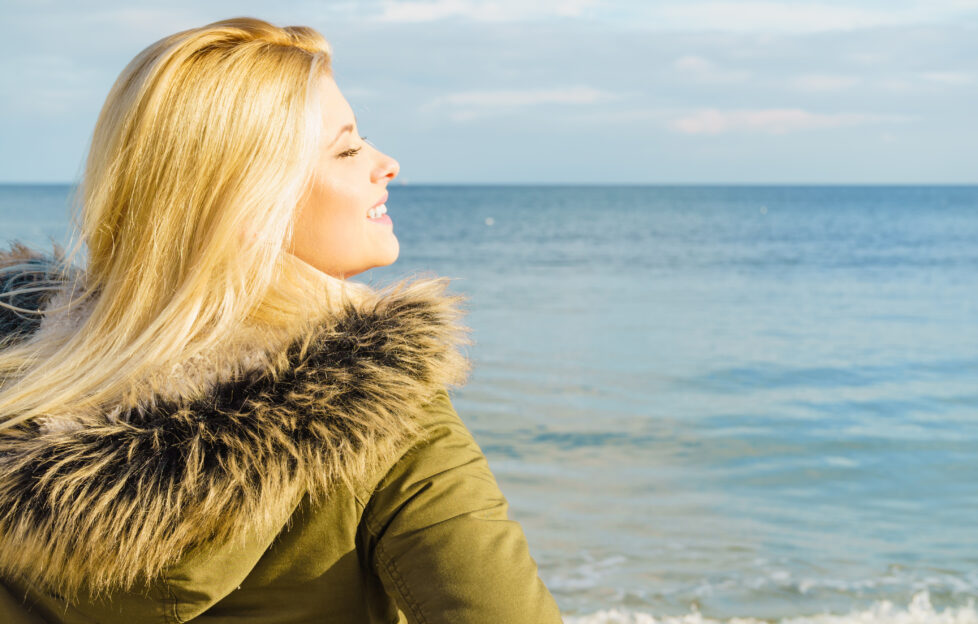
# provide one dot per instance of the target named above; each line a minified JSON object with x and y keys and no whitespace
{"x":919,"y":611}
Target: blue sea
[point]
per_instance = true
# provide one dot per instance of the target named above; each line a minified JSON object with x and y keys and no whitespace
{"x":709,"y":404}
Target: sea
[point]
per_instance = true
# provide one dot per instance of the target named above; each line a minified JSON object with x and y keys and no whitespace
{"x":710,"y":404}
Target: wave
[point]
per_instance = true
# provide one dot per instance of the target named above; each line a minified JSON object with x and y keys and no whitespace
{"x":919,"y":611}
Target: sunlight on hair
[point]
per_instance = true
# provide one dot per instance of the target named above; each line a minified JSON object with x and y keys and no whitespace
{"x":199,"y":157}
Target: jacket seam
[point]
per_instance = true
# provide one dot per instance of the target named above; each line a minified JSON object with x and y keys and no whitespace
{"x":391,"y":567}
{"x":171,"y":614}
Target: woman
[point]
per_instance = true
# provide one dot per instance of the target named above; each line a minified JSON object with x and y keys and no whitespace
{"x":207,"y":423}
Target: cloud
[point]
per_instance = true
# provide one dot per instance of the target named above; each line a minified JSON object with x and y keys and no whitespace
{"x":820,"y":83}
{"x":913,"y":83}
{"x":496,"y":99}
{"x":795,"y":17}
{"x":143,"y":24}
{"x":952,"y":78}
{"x":896,"y":85}
{"x":703,"y":70}
{"x":799,"y":16}
{"x":469,"y":105}
{"x":481,"y":11}
{"x":772,"y":121}
{"x":637,"y":116}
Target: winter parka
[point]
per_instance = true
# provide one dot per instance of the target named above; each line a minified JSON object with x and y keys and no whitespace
{"x":332,"y":481}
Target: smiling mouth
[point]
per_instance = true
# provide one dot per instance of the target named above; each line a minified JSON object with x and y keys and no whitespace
{"x":377,"y":212}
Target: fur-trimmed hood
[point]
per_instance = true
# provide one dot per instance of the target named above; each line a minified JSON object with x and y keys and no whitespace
{"x":110,"y":502}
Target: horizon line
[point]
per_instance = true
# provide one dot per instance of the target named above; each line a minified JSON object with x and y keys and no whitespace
{"x":595,"y":184}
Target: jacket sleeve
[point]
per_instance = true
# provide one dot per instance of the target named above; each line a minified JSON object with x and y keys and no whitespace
{"x":440,"y":540}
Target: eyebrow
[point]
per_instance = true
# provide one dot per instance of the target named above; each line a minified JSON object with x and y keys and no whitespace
{"x":344,"y":129}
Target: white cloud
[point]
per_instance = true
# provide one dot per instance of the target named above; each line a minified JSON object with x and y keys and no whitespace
{"x":620,"y":116}
{"x":704,"y":70}
{"x":896,"y":85}
{"x":421,"y":11}
{"x":952,"y":78}
{"x":820,"y":83}
{"x":772,"y":121}
{"x":481,"y":11}
{"x":794,"y":17}
{"x":777,"y":16}
{"x":867,"y":58}
{"x":144,"y":23}
{"x":497,"y":99}
{"x":472,"y":104}
{"x":913,"y":83}
{"x":693,"y":64}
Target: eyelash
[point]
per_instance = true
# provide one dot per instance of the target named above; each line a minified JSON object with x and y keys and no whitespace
{"x":352,"y":152}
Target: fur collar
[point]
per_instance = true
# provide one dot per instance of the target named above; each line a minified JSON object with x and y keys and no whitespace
{"x":111,"y":501}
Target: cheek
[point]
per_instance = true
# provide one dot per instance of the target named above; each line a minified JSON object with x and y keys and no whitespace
{"x":329,"y":223}
{"x":317,"y":208}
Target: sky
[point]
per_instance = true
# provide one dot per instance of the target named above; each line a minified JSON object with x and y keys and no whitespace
{"x":561,"y":91}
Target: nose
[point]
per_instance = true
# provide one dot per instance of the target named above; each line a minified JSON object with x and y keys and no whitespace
{"x":386,"y":168}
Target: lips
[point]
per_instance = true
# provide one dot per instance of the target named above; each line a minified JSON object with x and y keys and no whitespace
{"x":379,"y":210}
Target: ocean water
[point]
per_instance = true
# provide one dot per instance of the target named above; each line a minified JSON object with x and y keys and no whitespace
{"x":712,"y":404}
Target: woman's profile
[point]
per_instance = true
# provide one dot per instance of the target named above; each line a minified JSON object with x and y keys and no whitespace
{"x":201,"y":419}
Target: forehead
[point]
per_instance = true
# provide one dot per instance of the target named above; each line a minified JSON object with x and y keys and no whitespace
{"x":336,"y":110}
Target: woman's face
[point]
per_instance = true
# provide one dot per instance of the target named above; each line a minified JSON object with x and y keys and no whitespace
{"x":333,"y":231}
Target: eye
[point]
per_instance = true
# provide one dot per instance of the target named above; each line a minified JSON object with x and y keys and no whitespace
{"x":352,"y":151}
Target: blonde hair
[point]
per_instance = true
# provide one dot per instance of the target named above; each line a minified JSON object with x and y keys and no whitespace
{"x":200,"y":155}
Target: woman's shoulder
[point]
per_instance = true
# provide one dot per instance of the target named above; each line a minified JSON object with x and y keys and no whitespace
{"x":442,"y":438}
{"x":436,"y":530}
{"x":441,"y":474}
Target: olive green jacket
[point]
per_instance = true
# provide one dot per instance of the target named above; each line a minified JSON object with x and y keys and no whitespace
{"x":324,"y":478}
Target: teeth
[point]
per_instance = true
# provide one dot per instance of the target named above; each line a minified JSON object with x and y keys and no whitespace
{"x":373,"y":213}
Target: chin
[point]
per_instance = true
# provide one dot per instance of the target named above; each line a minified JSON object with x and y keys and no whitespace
{"x":386,"y":260}
{"x":392,"y":253}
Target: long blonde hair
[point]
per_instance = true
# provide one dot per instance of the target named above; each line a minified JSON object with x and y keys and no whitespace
{"x":200,"y":155}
